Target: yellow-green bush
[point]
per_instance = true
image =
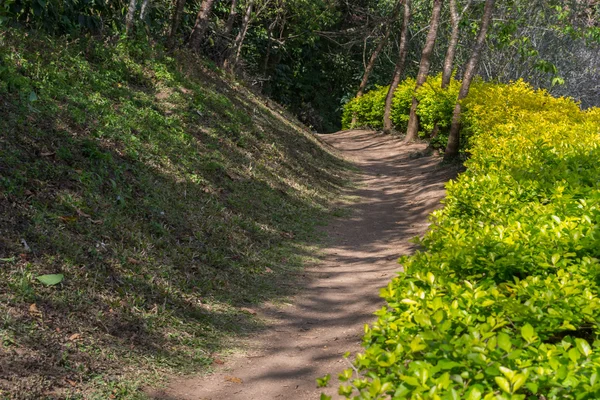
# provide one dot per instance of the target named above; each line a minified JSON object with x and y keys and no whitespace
{"x":367,"y":110}
{"x":502,"y":302}
{"x":401,"y":103}
{"x":435,"y":107}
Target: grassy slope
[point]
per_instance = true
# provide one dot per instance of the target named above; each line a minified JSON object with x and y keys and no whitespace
{"x":169,"y":199}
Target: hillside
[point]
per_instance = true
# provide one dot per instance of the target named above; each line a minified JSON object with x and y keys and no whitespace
{"x":163,"y":198}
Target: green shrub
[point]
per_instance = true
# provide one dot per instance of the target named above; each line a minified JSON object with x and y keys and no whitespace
{"x":367,"y":109}
{"x":401,"y":103}
{"x":502,"y":300}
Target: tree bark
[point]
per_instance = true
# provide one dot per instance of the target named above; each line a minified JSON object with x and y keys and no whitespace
{"x":270,"y":30}
{"x":175,"y":22}
{"x":129,"y":17}
{"x":201,"y":24}
{"x":232,"y":61}
{"x":454,"y":136}
{"x":451,"y":51}
{"x":403,"y":50}
{"x":413,"y":121}
{"x":455,"y":19}
{"x":225,"y":40}
{"x":231,"y":18}
{"x":144,"y":9}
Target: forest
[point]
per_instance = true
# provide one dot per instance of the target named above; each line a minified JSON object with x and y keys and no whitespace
{"x":161,"y":175}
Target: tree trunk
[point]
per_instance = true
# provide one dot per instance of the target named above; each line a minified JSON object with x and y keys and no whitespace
{"x":232,"y":61}
{"x":175,"y":22}
{"x":451,"y":51}
{"x":129,"y":17}
{"x":403,"y":49}
{"x":225,"y":40}
{"x":201,"y":24}
{"x":144,"y":9}
{"x":270,"y":30}
{"x":231,"y":18}
{"x":413,"y":121}
{"x":371,"y":64}
{"x":454,"y":137}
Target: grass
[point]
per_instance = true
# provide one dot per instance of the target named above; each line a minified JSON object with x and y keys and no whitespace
{"x":167,"y":196}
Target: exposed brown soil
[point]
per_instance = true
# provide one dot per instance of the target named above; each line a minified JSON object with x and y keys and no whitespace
{"x":399,"y":185}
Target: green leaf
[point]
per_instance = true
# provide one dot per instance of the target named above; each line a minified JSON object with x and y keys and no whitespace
{"x":503,"y":383}
{"x":528,"y":333}
{"x":504,"y":342}
{"x":322,"y":382}
{"x":583,"y":346}
{"x":51,"y":280}
{"x":532,"y":386}
{"x":518,"y":381}
{"x":573,"y":354}
{"x":325,"y":397}
{"x":475,"y":393}
{"x":32,"y":97}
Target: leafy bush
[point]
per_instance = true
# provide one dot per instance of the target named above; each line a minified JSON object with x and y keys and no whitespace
{"x":401,"y":103}
{"x":435,"y":107}
{"x":502,"y":302}
{"x":367,"y":109}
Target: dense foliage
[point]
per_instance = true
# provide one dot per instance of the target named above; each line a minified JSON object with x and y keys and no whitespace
{"x":434,"y":110}
{"x":502,"y":301}
{"x":310,"y":55}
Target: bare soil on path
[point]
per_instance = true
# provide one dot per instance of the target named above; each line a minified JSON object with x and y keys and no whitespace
{"x":397,"y":189}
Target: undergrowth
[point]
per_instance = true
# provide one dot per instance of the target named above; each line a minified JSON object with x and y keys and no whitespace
{"x":167,"y":198}
{"x":502,"y":301}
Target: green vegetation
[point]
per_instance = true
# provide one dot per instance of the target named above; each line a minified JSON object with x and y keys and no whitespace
{"x":144,"y":202}
{"x":502,"y":301}
{"x":435,"y":108}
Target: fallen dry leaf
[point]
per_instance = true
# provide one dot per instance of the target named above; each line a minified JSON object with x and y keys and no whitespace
{"x":268,"y":270}
{"x":34,"y":310}
{"x":248,"y":310}
{"x":47,"y":154}
{"x":70,"y":382}
{"x":132,"y":261}
{"x":74,"y":336}
{"x":218,"y":361}
{"x":233,"y":379}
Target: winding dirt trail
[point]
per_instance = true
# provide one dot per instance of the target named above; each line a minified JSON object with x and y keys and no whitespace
{"x":398,"y":188}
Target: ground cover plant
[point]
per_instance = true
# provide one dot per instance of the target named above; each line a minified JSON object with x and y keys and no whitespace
{"x":145,"y":202}
{"x":501,"y":302}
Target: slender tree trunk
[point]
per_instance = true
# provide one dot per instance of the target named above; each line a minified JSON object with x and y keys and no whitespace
{"x":371,"y":64}
{"x":225,"y":41}
{"x":455,"y":18}
{"x":144,"y":9}
{"x":403,"y":50}
{"x":451,"y":51}
{"x":232,"y":61}
{"x":270,"y":30}
{"x":201,"y":24}
{"x":175,"y":22}
{"x":231,"y":18}
{"x":129,"y":17}
{"x":454,"y":137}
{"x":377,"y":51}
{"x":413,"y":121}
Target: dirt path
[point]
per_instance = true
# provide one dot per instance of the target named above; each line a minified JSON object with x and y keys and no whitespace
{"x":306,"y":340}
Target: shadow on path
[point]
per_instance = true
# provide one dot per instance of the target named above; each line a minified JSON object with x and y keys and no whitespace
{"x":397,"y":189}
